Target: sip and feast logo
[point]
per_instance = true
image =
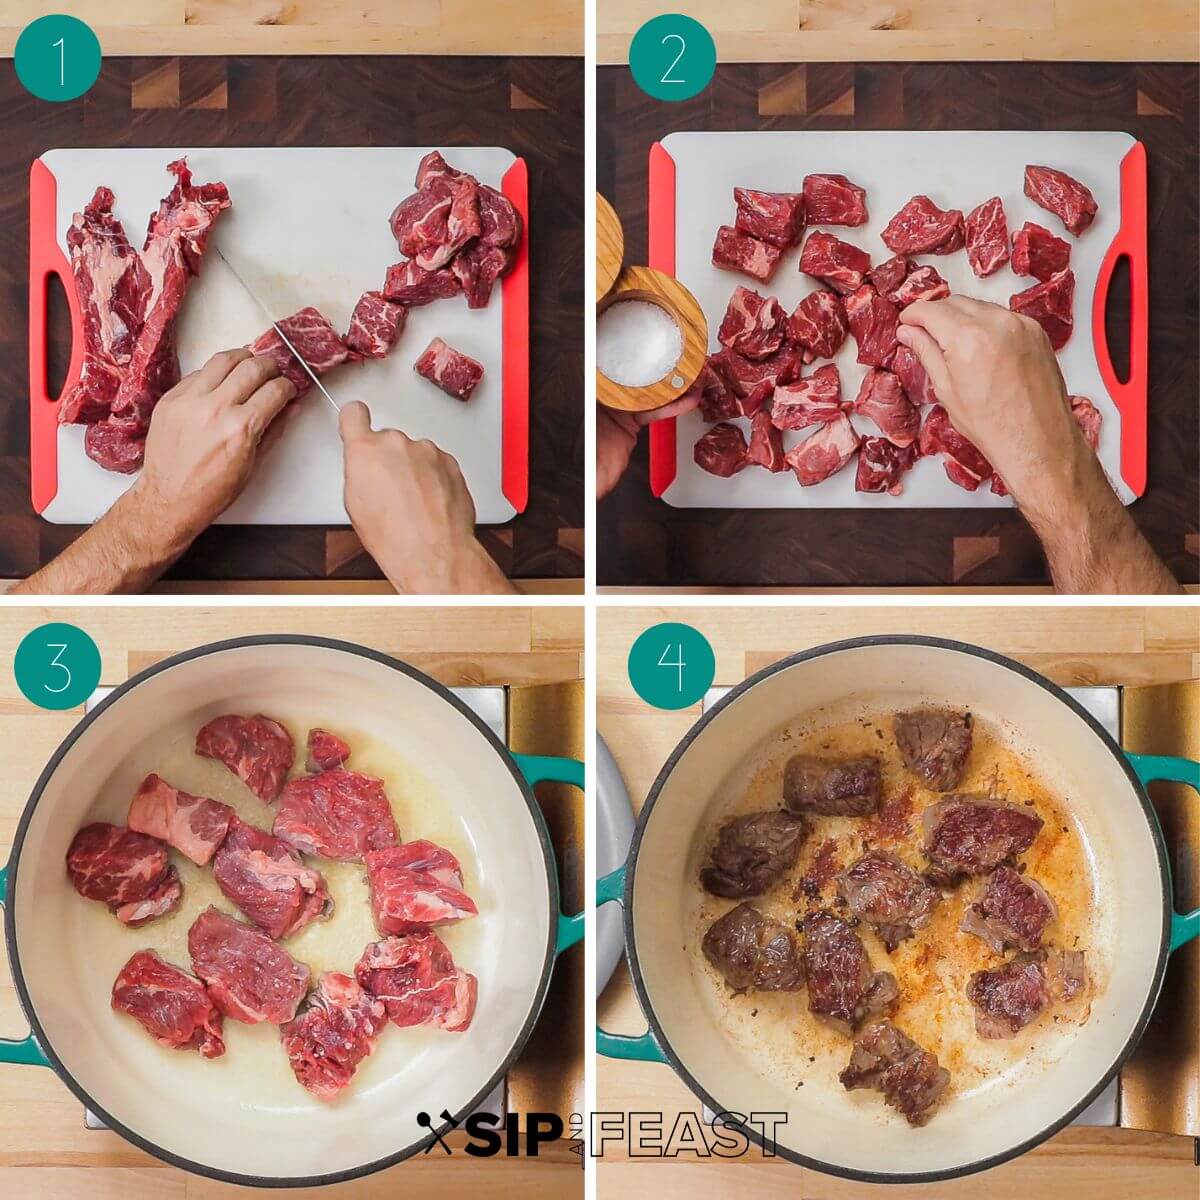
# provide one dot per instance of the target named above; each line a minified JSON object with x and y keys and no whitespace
{"x":673,"y":1135}
{"x":489,"y":1134}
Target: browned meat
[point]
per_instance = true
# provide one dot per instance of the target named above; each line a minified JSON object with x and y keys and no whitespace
{"x":848,"y":787}
{"x":1008,"y":997}
{"x":934,"y":744}
{"x":891,"y":1062}
{"x":1012,"y":912}
{"x":752,"y":951}
{"x":885,"y":892}
{"x":969,"y":834}
{"x":842,"y":988}
{"x":752,"y":852}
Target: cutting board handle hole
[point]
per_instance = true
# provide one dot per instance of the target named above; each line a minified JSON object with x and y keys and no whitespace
{"x":58,"y":340}
{"x":1117,"y":318}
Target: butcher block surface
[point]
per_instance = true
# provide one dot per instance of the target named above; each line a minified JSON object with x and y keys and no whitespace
{"x":529,"y":106}
{"x":644,"y":542}
{"x":46,"y":1153}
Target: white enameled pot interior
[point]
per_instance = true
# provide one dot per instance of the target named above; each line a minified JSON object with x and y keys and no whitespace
{"x":855,"y":1131}
{"x":244,"y":1113}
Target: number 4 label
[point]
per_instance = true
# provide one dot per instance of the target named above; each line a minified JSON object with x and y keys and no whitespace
{"x":671,"y":665}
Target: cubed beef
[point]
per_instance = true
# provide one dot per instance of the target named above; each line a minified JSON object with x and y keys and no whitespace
{"x":721,"y":451}
{"x":971,"y":834}
{"x":846,"y":787}
{"x":824,"y":452}
{"x":837,"y":263}
{"x":842,"y":989}
{"x":963,"y":463}
{"x":986,"y":230}
{"x":712,"y":392}
{"x":935,"y":745}
{"x":194,"y":825}
{"x":1051,"y":305}
{"x":753,"y":952}
{"x":834,"y":200}
{"x":881,"y":466}
{"x":1011,"y":913}
{"x":886,"y":892}
{"x":258,"y":750}
{"x":812,"y":400}
{"x":478,"y":267}
{"x":752,"y":853}
{"x":416,"y":885}
{"x":889,"y":1061}
{"x":455,"y":373}
{"x":819,"y":324}
{"x":411,"y":285}
{"x":873,"y":320}
{"x":753,"y":326}
{"x":326,"y":751}
{"x":890,"y":274}
{"x":1009,"y":997}
{"x":737,"y":251}
{"x":1065,"y":197}
{"x":882,"y":400}
{"x":906,"y":366}
{"x":921,"y":283}
{"x":776,"y":218}
{"x":766,"y":443}
{"x":920,"y":227}
{"x":375,"y":325}
{"x":128,"y":871}
{"x":172,"y":1006}
{"x":337,"y":814}
{"x":415,"y":978}
{"x":1037,"y":252}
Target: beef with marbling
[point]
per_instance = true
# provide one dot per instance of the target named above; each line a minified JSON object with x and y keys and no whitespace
{"x":1012,"y":912}
{"x":1009,"y":997}
{"x":970,"y":834}
{"x":842,"y":988}
{"x":848,"y":787}
{"x":752,"y":853}
{"x":886,"y":892}
{"x":889,"y":1061}
{"x":752,"y":951}
{"x":935,"y":745}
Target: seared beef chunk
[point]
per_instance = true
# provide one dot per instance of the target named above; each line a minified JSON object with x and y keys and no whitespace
{"x":935,"y":745}
{"x":842,"y":989}
{"x":1012,"y":912}
{"x":752,"y":853}
{"x":848,"y":787}
{"x":752,"y":951}
{"x":969,"y":834}
{"x":881,"y":889}
{"x":891,"y":1062}
{"x":1008,"y":997}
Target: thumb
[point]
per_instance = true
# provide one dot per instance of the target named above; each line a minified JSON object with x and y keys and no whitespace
{"x":354,"y":421}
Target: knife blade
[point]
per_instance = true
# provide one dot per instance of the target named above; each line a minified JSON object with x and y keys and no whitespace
{"x":337,"y":408}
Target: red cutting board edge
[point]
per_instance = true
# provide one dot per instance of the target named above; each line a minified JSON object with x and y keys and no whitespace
{"x":1129,"y":396}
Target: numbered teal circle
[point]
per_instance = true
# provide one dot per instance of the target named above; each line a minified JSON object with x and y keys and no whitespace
{"x":672,"y":57}
{"x":57,"y":666}
{"x":57,"y":57}
{"x":671,"y":665}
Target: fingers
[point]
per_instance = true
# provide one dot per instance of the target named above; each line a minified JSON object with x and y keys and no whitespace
{"x":354,"y":421}
{"x":677,"y":408}
{"x":214,"y":372}
{"x":246,"y":378}
{"x":930,"y":356}
{"x":267,"y":402}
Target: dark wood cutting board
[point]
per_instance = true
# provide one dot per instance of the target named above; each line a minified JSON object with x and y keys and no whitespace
{"x":645,"y":542}
{"x":533,"y":106}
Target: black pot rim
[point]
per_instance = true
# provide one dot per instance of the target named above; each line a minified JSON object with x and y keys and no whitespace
{"x":289,"y":639}
{"x":1106,"y":740}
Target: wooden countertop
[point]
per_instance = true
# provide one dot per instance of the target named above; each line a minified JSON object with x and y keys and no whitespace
{"x":317,"y":26}
{"x":45,"y":1151}
{"x":1073,"y":646}
{"x":921,"y":30}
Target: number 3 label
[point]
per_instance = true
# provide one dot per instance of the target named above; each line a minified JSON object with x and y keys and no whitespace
{"x":672,"y":57}
{"x":671,"y":665}
{"x":57,"y":666}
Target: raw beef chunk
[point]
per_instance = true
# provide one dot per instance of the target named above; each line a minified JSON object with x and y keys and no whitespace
{"x":257,"y":750}
{"x":920,"y":227}
{"x":963,"y":463}
{"x":823,"y":453}
{"x":890,"y":274}
{"x":889,"y":1061}
{"x":433,"y":224}
{"x":834,"y":200}
{"x":813,"y":400}
{"x":882,"y":399}
{"x":1066,"y":198}
{"x":194,"y":825}
{"x":172,"y":1006}
{"x":249,"y":977}
{"x":128,"y":871}
{"x":752,"y":853}
{"x":873,"y":321}
{"x":776,"y":218}
{"x":819,"y":324}
{"x":416,"y":885}
{"x":972,"y":835}
{"x":449,"y":369}
{"x":477,"y":268}
{"x":842,"y":989}
{"x":1037,"y":252}
{"x":337,"y":814}
{"x":115,"y":444}
{"x":412,"y":286}
{"x":887,"y":893}
{"x":721,"y":451}
{"x":266,"y":879}
{"x":314,"y":339}
{"x":1088,"y":418}
{"x":987,"y":237}
{"x":1012,"y":912}
{"x":1050,"y":304}
{"x":336,"y":1031}
{"x":375,"y":325}
{"x":935,"y":745}
{"x":754,"y":953}
{"x":922,"y":283}
{"x":753,"y":325}
{"x":326,"y":751}
{"x":906,"y":366}
{"x":837,"y":263}
{"x":1009,"y":997}
{"x":717,"y":402}
{"x":881,"y":466}
{"x":753,"y":382}
{"x":848,"y":787}
{"x":415,"y":979}
{"x":737,"y":251}
{"x":766,"y":443}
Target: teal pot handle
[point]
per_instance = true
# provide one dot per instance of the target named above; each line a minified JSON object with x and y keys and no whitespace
{"x":19,"y":1050}
{"x":1154,"y":768}
{"x":644,"y":1047}
{"x":542,"y":767}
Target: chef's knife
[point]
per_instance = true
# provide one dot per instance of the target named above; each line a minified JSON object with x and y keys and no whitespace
{"x":275,"y":325}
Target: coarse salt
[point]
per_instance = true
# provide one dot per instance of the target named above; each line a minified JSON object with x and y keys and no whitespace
{"x":637,"y":343}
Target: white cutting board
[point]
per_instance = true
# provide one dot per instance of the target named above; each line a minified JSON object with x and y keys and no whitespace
{"x":308,"y":225}
{"x":956,"y":170}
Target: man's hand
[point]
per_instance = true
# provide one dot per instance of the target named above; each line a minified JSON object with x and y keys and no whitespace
{"x":996,"y":375}
{"x":617,"y":434}
{"x":410,"y":507}
{"x":204,"y":440}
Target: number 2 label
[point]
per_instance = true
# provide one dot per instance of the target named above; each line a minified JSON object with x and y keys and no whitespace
{"x":674,"y":37}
